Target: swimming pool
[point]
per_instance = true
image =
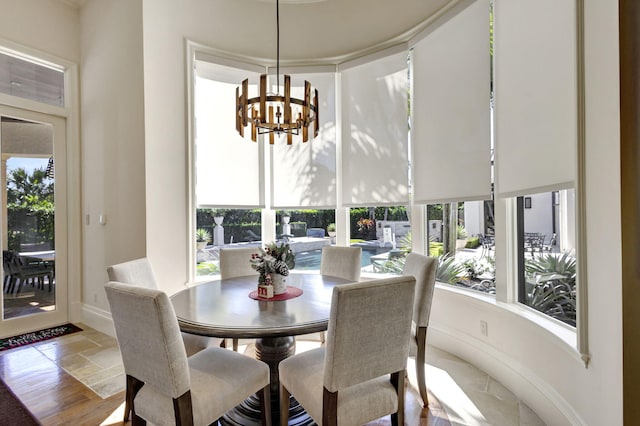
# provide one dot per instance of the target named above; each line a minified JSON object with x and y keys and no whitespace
{"x":311,"y":259}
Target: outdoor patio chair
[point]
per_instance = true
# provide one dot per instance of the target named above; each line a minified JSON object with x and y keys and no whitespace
{"x":167,"y":386}
{"x":358,"y":376}
{"x":423,"y":269}
{"x":20,"y":272}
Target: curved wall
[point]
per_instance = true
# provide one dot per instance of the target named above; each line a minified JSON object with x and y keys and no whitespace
{"x":542,"y":369}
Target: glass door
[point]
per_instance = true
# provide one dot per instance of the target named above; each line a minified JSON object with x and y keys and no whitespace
{"x":33,"y":217}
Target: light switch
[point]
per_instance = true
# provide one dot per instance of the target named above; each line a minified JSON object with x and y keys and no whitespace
{"x":103,"y":219}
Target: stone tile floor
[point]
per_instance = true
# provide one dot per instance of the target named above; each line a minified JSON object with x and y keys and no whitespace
{"x":468,"y":395}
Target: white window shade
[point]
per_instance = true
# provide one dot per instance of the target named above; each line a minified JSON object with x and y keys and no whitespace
{"x":375,"y":132}
{"x":304,"y":174}
{"x":536,"y":96}
{"x":228,"y":167}
{"x":451,"y":123}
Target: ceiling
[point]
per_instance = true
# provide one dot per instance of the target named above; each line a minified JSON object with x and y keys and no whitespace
{"x":321,"y":31}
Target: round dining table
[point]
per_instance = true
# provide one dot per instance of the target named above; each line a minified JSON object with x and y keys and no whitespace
{"x":225,"y":309}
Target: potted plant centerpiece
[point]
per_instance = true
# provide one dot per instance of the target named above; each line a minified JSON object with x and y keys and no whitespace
{"x":331,"y":229}
{"x":202,"y":238}
{"x":273,"y":264}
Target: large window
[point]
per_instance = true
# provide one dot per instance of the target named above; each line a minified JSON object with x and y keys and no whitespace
{"x":546,"y":253}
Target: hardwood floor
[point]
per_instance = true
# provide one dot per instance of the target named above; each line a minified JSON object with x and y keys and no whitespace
{"x":57,"y":398}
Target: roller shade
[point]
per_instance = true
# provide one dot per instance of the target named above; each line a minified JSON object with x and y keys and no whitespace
{"x":375,"y":132}
{"x":304,"y":174}
{"x":228,"y":167}
{"x":536,"y":96}
{"x":451,"y":123}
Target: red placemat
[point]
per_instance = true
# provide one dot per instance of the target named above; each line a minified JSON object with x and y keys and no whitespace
{"x":289,"y":294}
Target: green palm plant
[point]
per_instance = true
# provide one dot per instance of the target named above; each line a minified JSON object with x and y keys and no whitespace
{"x":449,"y":270}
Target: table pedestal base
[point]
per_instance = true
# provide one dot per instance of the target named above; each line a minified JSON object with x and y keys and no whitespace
{"x":270,"y":350}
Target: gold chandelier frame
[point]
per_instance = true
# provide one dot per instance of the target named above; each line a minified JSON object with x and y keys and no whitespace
{"x":273,"y":114}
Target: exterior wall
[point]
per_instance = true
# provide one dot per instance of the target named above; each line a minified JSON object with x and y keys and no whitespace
{"x":112,"y":109}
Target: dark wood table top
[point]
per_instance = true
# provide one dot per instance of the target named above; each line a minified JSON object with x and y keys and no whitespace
{"x":223,"y":308}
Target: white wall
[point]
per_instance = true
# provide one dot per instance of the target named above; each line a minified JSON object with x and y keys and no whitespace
{"x":539,"y":218}
{"x":46,"y":25}
{"x":113,"y":181}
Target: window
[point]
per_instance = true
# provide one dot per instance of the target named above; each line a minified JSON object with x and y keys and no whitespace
{"x":384,"y":234}
{"x":216,"y":228}
{"x":307,"y":231}
{"x":546,"y":254}
{"x":461,"y":236}
{"x":30,"y":80}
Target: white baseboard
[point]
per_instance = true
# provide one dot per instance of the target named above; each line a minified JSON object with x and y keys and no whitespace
{"x":547,"y":403}
{"x":98,"y":319}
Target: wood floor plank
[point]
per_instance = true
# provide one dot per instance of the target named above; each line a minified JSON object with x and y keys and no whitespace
{"x":57,"y":398}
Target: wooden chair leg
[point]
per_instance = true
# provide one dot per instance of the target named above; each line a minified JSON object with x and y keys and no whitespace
{"x":132,"y":387}
{"x":284,"y":406}
{"x":329,"y":408}
{"x":265,"y":405}
{"x":183,"y":409}
{"x":397,"y":379}
{"x":322,"y":338}
{"x":420,"y":364}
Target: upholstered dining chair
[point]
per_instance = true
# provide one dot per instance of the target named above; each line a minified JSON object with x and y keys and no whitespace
{"x":234,"y":262}
{"x":341,"y":262}
{"x":139,"y":272}
{"x":423,"y":269}
{"x":358,"y":376}
{"x":169,"y":387}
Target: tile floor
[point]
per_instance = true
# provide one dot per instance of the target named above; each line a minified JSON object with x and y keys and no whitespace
{"x":467,"y":395}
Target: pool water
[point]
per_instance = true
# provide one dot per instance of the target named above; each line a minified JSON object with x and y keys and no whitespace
{"x":311,"y":259}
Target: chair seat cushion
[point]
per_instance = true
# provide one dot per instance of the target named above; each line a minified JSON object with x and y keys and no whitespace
{"x":220,"y":380}
{"x":303,"y":376}
{"x":194,"y":343}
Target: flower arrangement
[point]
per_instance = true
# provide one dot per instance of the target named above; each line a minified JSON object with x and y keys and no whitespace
{"x":365,"y":224}
{"x":273,"y":259}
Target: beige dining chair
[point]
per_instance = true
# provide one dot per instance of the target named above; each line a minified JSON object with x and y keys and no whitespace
{"x":341,"y":262}
{"x":423,"y":269}
{"x":169,"y":387}
{"x":140,"y":273}
{"x":234,"y":262}
{"x":358,"y":376}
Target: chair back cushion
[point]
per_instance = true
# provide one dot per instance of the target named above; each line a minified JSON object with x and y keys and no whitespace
{"x":342,"y":262}
{"x":235,"y":262}
{"x":423,"y":269}
{"x":369,"y":329}
{"x":149,"y":337}
{"x":135,"y":272}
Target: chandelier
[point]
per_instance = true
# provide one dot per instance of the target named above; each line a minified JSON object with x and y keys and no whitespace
{"x":277,"y":114}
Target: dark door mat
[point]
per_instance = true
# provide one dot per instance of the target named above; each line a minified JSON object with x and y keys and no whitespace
{"x":37,"y":336}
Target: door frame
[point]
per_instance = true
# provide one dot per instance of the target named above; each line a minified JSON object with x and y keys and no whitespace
{"x":70,"y":113}
{"x":60,"y":315}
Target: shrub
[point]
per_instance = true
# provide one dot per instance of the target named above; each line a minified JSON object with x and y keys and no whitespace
{"x":472,"y":242}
